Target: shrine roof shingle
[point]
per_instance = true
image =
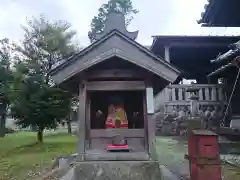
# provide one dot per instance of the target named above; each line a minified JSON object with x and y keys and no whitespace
{"x":221,"y":13}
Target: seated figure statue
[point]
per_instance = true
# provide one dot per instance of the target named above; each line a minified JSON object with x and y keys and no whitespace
{"x":117,"y":117}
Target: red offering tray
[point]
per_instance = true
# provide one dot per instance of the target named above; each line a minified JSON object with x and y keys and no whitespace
{"x":117,"y":146}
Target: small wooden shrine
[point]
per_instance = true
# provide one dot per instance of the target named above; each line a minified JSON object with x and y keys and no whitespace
{"x":116,"y":79}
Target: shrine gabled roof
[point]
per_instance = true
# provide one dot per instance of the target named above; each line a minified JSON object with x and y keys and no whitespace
{"x":114,"y":44}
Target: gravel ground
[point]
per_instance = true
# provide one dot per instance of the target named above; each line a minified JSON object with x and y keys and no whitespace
{"x":171,"y":151}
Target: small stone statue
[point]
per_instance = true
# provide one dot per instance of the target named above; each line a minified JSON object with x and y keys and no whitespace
{"x":118,"y":140}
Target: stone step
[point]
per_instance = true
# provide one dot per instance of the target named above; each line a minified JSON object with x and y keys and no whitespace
{"x":100,"y":170}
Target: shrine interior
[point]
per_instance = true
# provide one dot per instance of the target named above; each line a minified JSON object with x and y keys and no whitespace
{"x":133,"y":106}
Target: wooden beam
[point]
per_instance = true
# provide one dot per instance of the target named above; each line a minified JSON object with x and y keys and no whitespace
{"x":82,"y":122}
{"x":109,"y":133}
{"x":115,"y":85}
{"x":114,"y":73}
{"x":196,"y":44}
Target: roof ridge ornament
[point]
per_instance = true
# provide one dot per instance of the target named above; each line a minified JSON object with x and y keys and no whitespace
{"x":115,"y":20}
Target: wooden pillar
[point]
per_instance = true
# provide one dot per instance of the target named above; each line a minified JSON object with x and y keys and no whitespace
{"x":88,"y":122}
{"x":82,"y":122}
{"x":150,"y":119}
{"x":167,"y":53}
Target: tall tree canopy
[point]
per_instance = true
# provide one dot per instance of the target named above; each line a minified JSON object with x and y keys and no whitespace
{"x":45,"y":44}
{"x":124,"y":6}
{"x":36,"y":101}
{"x":5,"y":81}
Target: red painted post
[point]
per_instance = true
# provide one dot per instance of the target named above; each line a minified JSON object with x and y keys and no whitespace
{"x":203,"y":155}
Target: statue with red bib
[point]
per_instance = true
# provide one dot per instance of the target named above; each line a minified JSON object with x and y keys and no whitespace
{"x":117,"y":117}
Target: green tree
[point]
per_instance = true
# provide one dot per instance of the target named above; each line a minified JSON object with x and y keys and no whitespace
{"x":37,"y":102}
{"x":124,"y":6}
{"x":5,"y":81}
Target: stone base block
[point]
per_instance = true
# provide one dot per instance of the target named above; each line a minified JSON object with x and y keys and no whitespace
{"x":117,"y":170}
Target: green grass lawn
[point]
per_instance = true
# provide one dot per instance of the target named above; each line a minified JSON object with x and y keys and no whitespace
{"x":21,"y":158}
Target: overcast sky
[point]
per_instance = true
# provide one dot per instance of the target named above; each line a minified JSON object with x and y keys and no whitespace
{"x":156,"y":17}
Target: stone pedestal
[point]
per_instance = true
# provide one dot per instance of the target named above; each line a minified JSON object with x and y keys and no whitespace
{"x":194,"y":121}
{"x":117,"y":170}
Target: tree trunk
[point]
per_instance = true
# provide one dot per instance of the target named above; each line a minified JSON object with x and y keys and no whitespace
{"x":3,"y":121}
{"x":2,"y":125}
{"x":40,"y":135}
{"x":69,"y":125}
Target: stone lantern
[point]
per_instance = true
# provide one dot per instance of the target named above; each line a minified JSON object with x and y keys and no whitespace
{"x":193,"y":100}
{"x":194,"y":121}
